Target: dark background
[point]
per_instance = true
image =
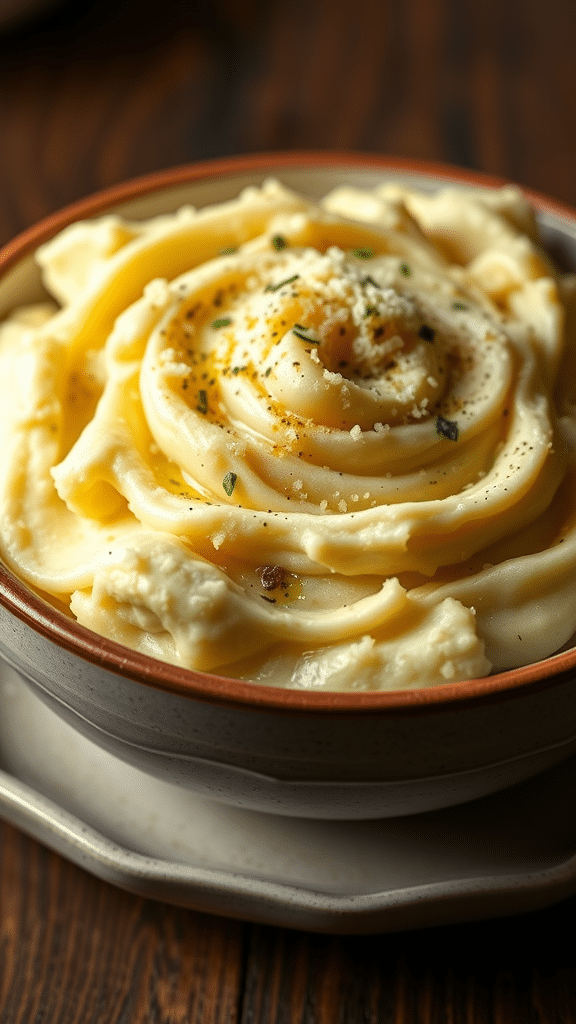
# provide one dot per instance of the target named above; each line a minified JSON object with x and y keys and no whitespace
{"x":102,"y":91}
{"x":94,"y":93}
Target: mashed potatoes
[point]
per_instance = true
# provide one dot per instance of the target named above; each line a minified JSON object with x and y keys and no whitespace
{"x":322,"y":446}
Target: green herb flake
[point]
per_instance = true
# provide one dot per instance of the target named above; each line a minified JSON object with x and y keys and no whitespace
{"x":302,"y":333}
{"x":229,"y":483}
{"x":268,"y":371}
{"x":276,"y":287}
{"x":202,"y":405}
{"x":363,"y":254}
{"x":447,"y":428}
{"x":228,"y":252}
{"x":459,"y":305}
{"x":369,"y":280}
{"x":238,"y":369}
{"x":279,"y":242}
{"x":223,"y":321}
{"x":405,"y":269}
{"x":371,"y":311}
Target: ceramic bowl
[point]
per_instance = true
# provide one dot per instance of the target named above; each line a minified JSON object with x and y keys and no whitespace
{"x":326,"y":755}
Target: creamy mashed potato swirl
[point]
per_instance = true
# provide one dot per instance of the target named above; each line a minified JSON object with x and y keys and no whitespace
{"x":324,"y":446}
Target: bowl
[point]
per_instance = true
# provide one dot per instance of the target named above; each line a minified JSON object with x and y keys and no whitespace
{"x":295,"y":752}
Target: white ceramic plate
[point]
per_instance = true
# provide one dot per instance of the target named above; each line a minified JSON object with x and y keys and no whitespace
{"x":506,"y":853}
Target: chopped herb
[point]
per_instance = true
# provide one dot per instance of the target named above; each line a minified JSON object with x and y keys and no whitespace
{"x":229,"y":483}
{"x":369,"y":280}
{"x":228,"y":251}
{"x":405,"y":269}
{"x":268,"y":371}
{"x":238,"y":369}
{"x":271,"y":576}
{"x":279,"y":242}
{"x":223,"y":321}
{"x":447,"y":428}
{"x":459,"y":305}
{"x":371,"y":311}
{"x":275,"y":287}
{"x":427,"y":333}
{"x":202,"y":405}
{"x":363,"y":254}
{"x":302,"y":333}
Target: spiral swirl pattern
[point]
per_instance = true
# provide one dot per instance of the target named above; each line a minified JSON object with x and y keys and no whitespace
{"x":280,"y":442}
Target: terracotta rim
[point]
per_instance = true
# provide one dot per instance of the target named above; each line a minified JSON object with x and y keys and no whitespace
{"x":69,"y":635}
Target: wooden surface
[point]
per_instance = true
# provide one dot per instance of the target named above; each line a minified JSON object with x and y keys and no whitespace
{"x":98,"y":92}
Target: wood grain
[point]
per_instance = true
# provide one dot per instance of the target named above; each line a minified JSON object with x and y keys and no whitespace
{"x":101,"y":91}
{"x":98,"y":93}
{"x":75,"y":950}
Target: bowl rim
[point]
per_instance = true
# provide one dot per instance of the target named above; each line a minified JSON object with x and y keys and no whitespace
{"x":48,"y":621}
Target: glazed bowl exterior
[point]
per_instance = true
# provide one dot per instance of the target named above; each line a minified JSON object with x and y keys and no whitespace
{"x":296,"y":752}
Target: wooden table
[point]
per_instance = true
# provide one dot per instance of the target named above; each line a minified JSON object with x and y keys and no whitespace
{"x":99,"y":92}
